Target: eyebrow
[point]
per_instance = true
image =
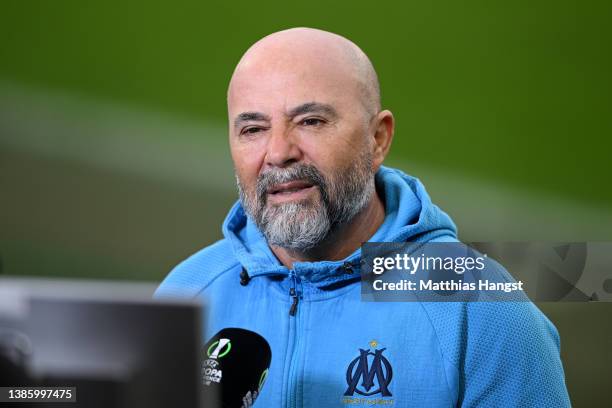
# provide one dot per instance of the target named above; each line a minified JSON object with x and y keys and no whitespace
{"x":250,"y":116}
{"x":313,"y":107}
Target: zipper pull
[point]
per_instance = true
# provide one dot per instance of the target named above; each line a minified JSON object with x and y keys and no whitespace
{"x":296,"y":299}
{"x":293,"y":293}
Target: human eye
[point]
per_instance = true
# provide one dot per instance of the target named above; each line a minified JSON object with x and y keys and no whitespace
{"x":312,"y":122}
{"x":251,"y":130}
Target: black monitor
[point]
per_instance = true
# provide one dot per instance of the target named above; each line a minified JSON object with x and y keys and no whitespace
{"x":115,"y":344}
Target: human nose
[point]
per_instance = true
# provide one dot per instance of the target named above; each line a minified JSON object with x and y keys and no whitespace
{"x":282,"y":149}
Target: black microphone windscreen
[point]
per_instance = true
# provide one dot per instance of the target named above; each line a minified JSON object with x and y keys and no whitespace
{"x":236,"y":362}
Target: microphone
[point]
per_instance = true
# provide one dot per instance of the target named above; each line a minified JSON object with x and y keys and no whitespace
{"x":235,"y":365}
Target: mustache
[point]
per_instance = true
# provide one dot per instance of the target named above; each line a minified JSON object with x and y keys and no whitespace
{"x":302,"y":172}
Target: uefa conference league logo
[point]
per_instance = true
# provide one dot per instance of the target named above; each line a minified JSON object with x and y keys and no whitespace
{"x":212,"y":372}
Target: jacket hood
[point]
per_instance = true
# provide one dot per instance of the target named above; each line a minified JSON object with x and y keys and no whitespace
{"x":410,"y":216}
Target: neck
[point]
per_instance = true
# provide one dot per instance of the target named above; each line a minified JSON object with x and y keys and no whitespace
{"x":343,"y":241}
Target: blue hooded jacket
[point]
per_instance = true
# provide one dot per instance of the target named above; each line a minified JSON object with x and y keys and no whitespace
{"x":334,"y":350}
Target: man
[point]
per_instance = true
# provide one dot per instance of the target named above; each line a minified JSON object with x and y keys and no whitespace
{"x":308,"y":139}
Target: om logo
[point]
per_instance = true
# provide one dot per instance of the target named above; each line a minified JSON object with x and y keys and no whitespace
{"x":368,"y":367}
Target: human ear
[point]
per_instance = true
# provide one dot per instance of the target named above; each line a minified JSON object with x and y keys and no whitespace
{"x":384,"y":126}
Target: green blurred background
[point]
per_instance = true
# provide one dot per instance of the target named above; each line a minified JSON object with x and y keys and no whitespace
{"x":113,"y":156}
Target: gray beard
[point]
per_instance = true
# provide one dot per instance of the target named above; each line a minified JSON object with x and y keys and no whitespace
{"x":303,"y":225}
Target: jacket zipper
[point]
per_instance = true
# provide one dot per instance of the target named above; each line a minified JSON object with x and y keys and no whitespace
{"x":293,"y":293}
{"x":294,"y":321}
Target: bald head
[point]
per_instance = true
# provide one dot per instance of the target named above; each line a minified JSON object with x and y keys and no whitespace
{"x":310,"y":54}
